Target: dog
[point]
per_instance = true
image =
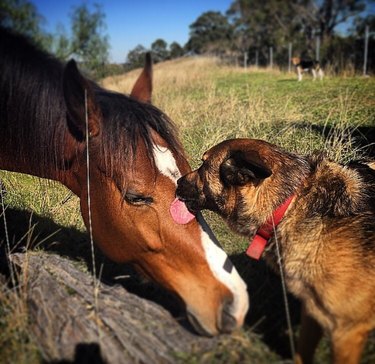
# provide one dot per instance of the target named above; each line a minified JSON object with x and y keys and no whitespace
{"x":322,"y":216}
{"x":306,"y":66}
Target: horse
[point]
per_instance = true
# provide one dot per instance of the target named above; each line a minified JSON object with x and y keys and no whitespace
{"x":51,"y":115}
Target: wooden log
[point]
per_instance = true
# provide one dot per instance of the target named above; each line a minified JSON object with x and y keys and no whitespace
{"x":69,"y":324}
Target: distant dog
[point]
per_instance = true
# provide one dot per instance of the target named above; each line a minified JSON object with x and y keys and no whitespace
{"x":306,"y":66}
{"x":323,"y":216}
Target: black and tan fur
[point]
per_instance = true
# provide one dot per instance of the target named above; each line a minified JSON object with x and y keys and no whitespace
{"x":327,"y":235}
{"x":303,"y":65}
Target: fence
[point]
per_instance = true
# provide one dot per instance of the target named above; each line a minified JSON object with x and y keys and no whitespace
{"x":351,"y":55}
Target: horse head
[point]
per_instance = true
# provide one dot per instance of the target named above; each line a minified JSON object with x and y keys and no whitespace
{"x":134,"y":163}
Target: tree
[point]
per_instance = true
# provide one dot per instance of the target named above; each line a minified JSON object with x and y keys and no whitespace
{"x":135,"y":57}
{"x":259,"y":25}
{"x":357,"y":33}
{"x":175,"y":50}
{"x":61,"y":45}
{"x":159,"y":50}
{"x":360,"y":24}
{"x":88,"y":43}
{"x":23,"y":17}
{"x":262,"y":24}
{"x":210,"y":33}
{"x":334,"y":12}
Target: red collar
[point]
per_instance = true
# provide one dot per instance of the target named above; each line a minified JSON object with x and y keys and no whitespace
{"x":265,"y":232}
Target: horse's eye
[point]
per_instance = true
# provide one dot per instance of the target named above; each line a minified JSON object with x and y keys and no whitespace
{"x":134,"y":199}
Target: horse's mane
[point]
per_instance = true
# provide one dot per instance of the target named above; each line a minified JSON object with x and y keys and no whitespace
{"x":32,"y":110}
{"x":33,"y":113}
{"x":127,"y":122}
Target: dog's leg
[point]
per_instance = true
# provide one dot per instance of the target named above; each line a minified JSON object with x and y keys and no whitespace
{"x":299,"y":72}
{"x":321,"y":74}
{"x":313,"y":73}
{"x":309,"y":338}
{"x":347,"y":345}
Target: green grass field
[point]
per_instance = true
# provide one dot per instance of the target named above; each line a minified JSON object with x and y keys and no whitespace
{"x":208,"y":103}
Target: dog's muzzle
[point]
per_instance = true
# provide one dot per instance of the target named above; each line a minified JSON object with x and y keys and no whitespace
{"x":188,"y":192}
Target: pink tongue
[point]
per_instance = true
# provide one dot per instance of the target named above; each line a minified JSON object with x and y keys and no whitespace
{"x":180,"y":213}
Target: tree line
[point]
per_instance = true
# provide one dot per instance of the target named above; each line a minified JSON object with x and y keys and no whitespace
{"x":87,"y":41}
{"x":248,"y":27}
{"x":252,"y":27}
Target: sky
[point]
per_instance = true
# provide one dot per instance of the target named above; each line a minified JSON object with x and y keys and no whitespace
{"x":133,"y":22}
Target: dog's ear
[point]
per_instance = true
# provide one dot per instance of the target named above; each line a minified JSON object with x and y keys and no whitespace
{"x":241,"y":168}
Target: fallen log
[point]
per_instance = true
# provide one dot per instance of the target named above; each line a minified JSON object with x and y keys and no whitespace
{"x":71,"y":324}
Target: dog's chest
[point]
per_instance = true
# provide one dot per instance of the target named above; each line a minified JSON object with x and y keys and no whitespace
{"x":301,"y":255}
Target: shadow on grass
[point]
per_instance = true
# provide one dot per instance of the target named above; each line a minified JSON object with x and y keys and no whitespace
{"x":27,"y":230}
{"x":267,"y":313}
{"x":363,"y":137}
{"x":360,"y":137}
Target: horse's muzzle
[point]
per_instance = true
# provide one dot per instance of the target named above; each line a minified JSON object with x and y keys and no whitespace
{"x":226,"y":322}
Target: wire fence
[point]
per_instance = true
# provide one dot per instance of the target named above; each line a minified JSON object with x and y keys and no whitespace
{"x":352,"y":57}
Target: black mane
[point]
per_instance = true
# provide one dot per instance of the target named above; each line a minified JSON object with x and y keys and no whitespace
{"x":127,"y":121}
{"x":33,"y":115}
{"x":32,"y":110}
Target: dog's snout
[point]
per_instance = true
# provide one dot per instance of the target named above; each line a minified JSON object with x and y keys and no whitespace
{"x":180,"y":182}
{"x":180,"y":187}
{"x":184,"y":187}
{"x":189,"y":192}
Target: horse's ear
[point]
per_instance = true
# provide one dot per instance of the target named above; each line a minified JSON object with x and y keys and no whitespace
{"x":142,"y":89}
{"x":241,"y":168}
{"x":78,"y":105}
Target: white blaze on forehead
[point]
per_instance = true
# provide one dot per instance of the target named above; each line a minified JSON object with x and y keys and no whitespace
{"x":216,"y":257}
{"x":217,"y":260}
{"x":166,"y":163}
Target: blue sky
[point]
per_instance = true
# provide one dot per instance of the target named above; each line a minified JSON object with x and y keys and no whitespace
{"x":133,"y":22}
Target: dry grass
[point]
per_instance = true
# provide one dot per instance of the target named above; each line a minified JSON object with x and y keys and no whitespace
{"x":209,"y":103}
{"x":16,"y":343}
{"x":43,"y":197}
{"x":180,"y":73}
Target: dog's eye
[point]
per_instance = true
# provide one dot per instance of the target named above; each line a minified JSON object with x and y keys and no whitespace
{"x":135,"y":199}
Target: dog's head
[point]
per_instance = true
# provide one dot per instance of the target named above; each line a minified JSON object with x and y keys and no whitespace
{"x":296,"y":60}
{"x":242,"y":180}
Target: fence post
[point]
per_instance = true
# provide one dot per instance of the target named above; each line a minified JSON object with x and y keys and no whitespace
{"x":317,"y":50}
{"x":245,"y":60}
{"x":289,"y":57}
{"x":367,"y":31}
{"x":271,"y":57}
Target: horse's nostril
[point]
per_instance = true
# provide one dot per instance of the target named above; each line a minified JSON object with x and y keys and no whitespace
{"x":228,"y":321}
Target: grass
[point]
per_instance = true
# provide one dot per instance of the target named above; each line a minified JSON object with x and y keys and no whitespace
{"x":219,"y":102}
{"x":209,"y":103}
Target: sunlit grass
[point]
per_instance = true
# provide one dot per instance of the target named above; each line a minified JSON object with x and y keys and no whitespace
{"x":211,"y":103}
{"x":43,"y":197}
